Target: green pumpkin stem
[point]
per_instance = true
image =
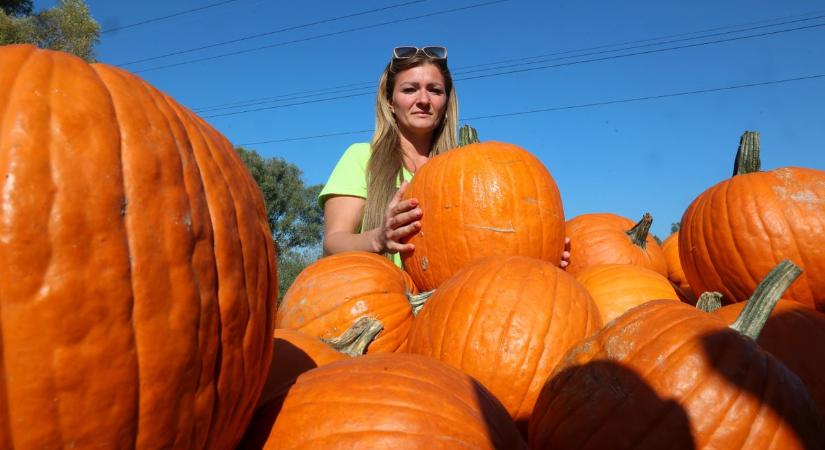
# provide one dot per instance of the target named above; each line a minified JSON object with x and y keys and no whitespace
{"x":417,"y":301}
{"x":354,"y":341}
{"x":759,"y":307}
{"x":747,"y":156}
{"x":638,"y":234}
{"x":709,"y":301}
{"x":467,"y":135}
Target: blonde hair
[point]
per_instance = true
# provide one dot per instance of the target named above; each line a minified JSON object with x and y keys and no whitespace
{"x":384,"y":169}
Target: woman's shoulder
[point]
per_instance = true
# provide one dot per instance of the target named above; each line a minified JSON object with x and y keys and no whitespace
{"x":358,"y":151}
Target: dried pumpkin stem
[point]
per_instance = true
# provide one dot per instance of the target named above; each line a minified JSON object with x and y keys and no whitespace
{"x":709,"y":301}
{"x":356,"y":339}
{"x":638,"y":234}
{"x":759,"y":307}
{"x":467,"y":135}
{"x":417,"y":301}
{"x":747,"y":156}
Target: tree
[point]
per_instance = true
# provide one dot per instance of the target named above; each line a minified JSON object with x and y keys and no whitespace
{"x":67,"y":27}
{"x":294,"y":216}
{"x":16,"y":7}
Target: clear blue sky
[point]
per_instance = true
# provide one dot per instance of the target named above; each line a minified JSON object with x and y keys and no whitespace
{"x":625,"y":158}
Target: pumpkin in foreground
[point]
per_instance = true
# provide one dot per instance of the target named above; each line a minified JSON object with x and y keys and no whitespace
{"x":138,"y":279}
{"x":393,"y":401}
{"x":666,"y":375}
{"x":330,"y":295}
{"x":482,"y":199}
{"x":506,"y":321}
{"x":732,"y":234}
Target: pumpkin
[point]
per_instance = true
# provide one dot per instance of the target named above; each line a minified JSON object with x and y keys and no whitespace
{"x":506,"y":321}
{"x":393,"y":401}
{"x":331,"y":294}
{"x":482,"y":199}
{"x":138,"y":272}
{"x":734,"y":232}
{"x":296,"y":353}
{"x":666,"y":375}
{"x":791,"y":330}
{"x":606,"y":238}
{"x":616,"y":288}
{"x":670,"y":247}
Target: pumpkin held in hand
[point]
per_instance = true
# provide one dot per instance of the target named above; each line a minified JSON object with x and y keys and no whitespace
{"x":482,"y":199}
{"x":138,"y":278}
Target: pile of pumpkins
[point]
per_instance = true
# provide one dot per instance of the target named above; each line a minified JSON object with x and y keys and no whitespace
{"x":138,"y":309}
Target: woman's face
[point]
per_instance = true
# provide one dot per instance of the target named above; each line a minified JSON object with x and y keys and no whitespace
{"x":419,"y":98}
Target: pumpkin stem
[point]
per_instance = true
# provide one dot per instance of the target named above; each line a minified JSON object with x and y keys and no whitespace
{"x":467,"y":135}
{"x":747,"y":156}
{"x":761,"y":304}
{"x":638,"y":234}
{"x":417,"y":301}
{"x":709,"y":301}
{"x":354,"y":341}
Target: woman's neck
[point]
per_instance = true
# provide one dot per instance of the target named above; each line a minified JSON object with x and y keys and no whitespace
{"x":415,"y":149}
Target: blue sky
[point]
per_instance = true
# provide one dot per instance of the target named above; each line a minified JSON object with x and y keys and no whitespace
{"x":627,"y":158}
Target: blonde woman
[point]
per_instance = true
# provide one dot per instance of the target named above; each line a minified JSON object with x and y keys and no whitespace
{"x":415,"y":119}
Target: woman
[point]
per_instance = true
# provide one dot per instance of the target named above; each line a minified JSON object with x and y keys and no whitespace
{"x":416,"y":118}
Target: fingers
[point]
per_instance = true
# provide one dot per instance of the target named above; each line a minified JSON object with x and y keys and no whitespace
{"x":565,"y":254}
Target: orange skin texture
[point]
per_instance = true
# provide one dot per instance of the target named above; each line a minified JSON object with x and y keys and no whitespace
{"x":601,"y":238}
{"x":506,"y":321}
{"x":296,"y":353}
{"x":616,"y":288}
{"x":670,"y":247}
{"x":483,"y":199}
{"x":738,"y":230}
{"x":795,"y":334}
{"x":666,"y":375}
{"x":391,"y":401}
{"x":138,"y":274}
{"x":331,"y":294}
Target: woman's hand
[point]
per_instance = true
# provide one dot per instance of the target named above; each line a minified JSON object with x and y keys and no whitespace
{"x":565,"y":255}
{"x":401,"y":222}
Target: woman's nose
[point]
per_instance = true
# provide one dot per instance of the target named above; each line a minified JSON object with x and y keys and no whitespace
{"x":423,"y":98}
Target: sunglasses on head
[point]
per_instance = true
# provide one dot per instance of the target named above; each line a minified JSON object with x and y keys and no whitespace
{"x":434,"y":52}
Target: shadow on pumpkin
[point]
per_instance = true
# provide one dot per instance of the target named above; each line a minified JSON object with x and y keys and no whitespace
{"x":757,"y":373}
{"x":498,"y":421}
{"x":606,"y":405}
{"x":274,"y":392}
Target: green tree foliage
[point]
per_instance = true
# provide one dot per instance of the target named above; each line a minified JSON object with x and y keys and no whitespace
{"x":16,"y":7}
{"x":67,"y":27}
{"x":295,"y":218}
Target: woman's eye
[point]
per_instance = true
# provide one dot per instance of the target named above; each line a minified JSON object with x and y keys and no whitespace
{"x":436,"y":91}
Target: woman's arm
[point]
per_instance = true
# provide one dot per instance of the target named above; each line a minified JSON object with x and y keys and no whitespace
{"x":343,"y":215}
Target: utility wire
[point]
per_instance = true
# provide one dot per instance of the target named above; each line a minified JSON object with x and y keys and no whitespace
{"x":509,"y":72}
{"x":158,"y":19}
{"x":320,"y":36}
{"x":570,"y":107}
{"x":270,"y":33}
{"x":466,"y":69}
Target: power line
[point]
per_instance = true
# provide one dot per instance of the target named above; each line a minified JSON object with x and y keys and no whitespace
{"x":465,"y":69}
{"x":269,"y":33}
{"x":158,"y":19}
{"x":528,"y":69}
{"x":320,"y":36}
{"x":570,"y":107}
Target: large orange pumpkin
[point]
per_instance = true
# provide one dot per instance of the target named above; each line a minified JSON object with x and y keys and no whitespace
{"x":138,"y":280}
{"x":331,"y":294}
{"x":616,"y":288}
{"x":666,"y":375}
{"x":606,"y":238}
{"x":795,"y":334}
{"x":482,"y":199}
{"x":736,"y":231}
{"x":675,"y":273}
{"x":506,"y":321}
{"x":391,"y":401}
{"x":296,"y":353}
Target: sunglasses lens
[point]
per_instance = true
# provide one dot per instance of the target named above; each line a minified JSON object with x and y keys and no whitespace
{"x":404,"y":52}
{"x":435,"y":52}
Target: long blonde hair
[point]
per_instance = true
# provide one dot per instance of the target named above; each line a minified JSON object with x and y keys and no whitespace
{"x":384,"y":169}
